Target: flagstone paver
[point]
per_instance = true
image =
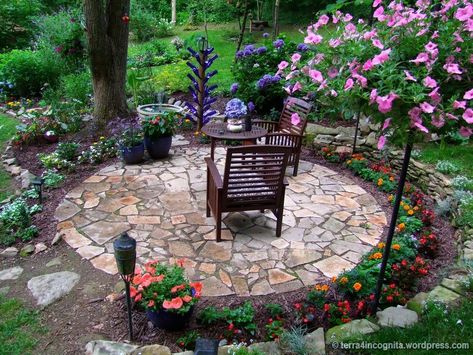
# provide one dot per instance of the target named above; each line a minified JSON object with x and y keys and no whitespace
{"x":162,"y":205}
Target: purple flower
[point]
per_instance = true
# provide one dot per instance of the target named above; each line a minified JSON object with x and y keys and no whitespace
{"x":278,"y":43}
{"x":251,"y":106}
{"x":235,"y":108}
{"x":267,"y":80}
{"x":247,"y":53}
{"x":234,"y":88}
{"x":261,"y":50}
{"x":239,"y":54}
{"x":302,"y":47}
{"x":249,"y":48}
{"x":265,"y":35}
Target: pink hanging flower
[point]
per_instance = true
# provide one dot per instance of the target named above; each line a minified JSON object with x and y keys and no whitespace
{"x":426,"y":107}
{"x":387,"y":123}
{"x":348,"y":84}
{"x":315,"y":75}
{"x":468,"y":116}
{"x":459,"y":104}
{"x":464,"y":13}
{"x":283,"y":65}
{"x":429,"y":82}
{"x":297,"y":86}
{"x":323,"y":20}
{"x":333,"y":93}
{"x":379,"y":14}
{"x":295,"y":119}
{"x":382,"y":57}
{"x":377,"y":43}
{"x":334,"y":42}
{"x":421,"y":58}
{"x":468,"y":95}
{"x":435,"y":96}
{"x":313,"y":38}
{"x":373,"y":96}
{"x":368,"y":65}
{"x":385,"y":103}
{"x":452,"y":68}
{"x":296,"y":57}
{"x":377,"y":2}
{"x":381,"y":142}
{"x":332,"y":72}
{"x":465,"y":132}
{"x":361,"y":80}
{"x":414,"y":113}
{"x":421,"y":127}
{"x":409,"y":76}
{"x":438,"y":121}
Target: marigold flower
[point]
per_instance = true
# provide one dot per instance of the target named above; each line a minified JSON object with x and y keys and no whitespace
{"x":344,"y":280}
{"x":376,"y":256}
{"x":357,"y":286}
{"x":380,"y":182}
{"x":410,"y":212}
{"x":334,"y":278}
{"x":381,"y":245}
{"x":401,"y":226}
{"x":406,"y":207}
{"x":390,"y":198}
{"x":396,"y":247}
{"x":391,"y":178}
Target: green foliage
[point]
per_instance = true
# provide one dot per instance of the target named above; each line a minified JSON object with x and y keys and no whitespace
{"x":29,"y":71}
{"x":172,"y":78}
{"x":294,"y":342}
{"x":99,"y":151}
{"x":241,"y":317}
{"x":77,"y":87}
{"x":53,"y":179}
{"x":447,"y":167}
{"x":162,"y":125}
{"x":460,"y":155}
{"x":15,"y":218}
{"x":131,"y":138}
{"x":153,"y":53}
{"x":19,"y":328}
{"x":142,"y":23}
{"x":274,"y":309}
{"x":187,"y":342}
{"x":16,"y":19}
{"x":67,"y":150}
{"x":7,"y":130}
{"x":53,"y":161}
{"x":210,"y":315}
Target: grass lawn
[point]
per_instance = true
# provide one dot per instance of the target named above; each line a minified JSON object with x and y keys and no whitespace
{"x":437,"y":326}
{"x":7,"y":130}
{"x":462,"y":155}
{"x":18,"y":328}
{"x":173,"y":77}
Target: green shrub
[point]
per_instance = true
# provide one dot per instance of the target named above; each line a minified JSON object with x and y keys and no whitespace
{"x":67,"y":150}
{"x":172,"y":78}
{"x":29,"y":71}
{"x":15,"y":218}
{"x":164,"y":28}
{"x":142,"y":24}
{"x":52,"y":179}
{"x":77,"y":87}
{"x":447,"y":167}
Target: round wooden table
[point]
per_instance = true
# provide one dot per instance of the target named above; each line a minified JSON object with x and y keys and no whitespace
{"x":218,"y":130}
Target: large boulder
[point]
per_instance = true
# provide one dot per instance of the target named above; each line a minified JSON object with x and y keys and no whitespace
{"x":397,"y":317}
{"x":105,"y":347}
{"x":353,"y":328}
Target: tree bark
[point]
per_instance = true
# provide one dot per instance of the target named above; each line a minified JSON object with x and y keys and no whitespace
{"x":243,"y":25}
{"x":276,"y":19}
{"x":107,"y":34}
{"x":173,"y":12}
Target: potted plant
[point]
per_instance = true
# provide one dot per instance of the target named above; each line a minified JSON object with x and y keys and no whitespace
{"x":131,"y":146}
{"x":158,"y":131}
{"x":166,"y":294}
{"x":234,"y":111}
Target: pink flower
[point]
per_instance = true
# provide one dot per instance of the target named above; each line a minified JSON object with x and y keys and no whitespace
{"x":379,"y":14}
{"x":347,"y":18}
{"x":385,"y":103}
{"x":429,"y":82}
{"x":382,"y":57}
{"x":348,"y":84}
{"x":414,"y":113}
{"x":295,"y":57}
{"x":421,"y":127}
{"x":468,"y":95}
{"x":377,"y":43}
{"x":376,"y":3}
{"x":387,"y":123}
{"x":409,"y":76}
{"x":334,"y":42}
{"x":381,"y":142}
{"x":373,"y":96}
{"x":332,"y":72}
{"x":313,"y":38}
{"x":297,"y":86}
{"x":459,"y":104}
{"x":468,"y":116}
{"x":333,"y":93}
{"x":452,"y":68}
{"x":368,"y":65}
{"x":350,"y":28}
{"x":464,"y":13}
{"x":315,"y":75}
{"x":295,"y":119}
{"x":465,"y":132}
{"x":421,"y":58}
{"x":435,"y":96}
{"x":361,"y":80}
{"x":426,"y":107}
{"x":370,"y":34}
{"x":323,"y":20}
{"x":438,"y":121}
{"x":283,"y":65}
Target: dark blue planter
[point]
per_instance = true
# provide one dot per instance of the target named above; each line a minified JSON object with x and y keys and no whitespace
{"x":133,"y":155}
{"x":169,"y":320}
{"x":158,"y":147}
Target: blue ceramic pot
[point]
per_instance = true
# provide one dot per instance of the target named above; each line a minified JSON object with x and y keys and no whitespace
{"x":169,"y":320}
{"x":133,"y":155}
{"x":158,"y":148}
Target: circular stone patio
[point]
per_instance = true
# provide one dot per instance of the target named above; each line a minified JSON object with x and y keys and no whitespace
{"x":329,"y":222}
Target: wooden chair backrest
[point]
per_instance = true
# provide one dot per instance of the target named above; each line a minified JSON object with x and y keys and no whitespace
{"x":294,"y":105}
{"x":294,"y":141}
{"x":254,"y":176}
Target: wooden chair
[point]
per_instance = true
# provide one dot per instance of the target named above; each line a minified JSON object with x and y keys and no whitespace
{"x":285,"y":126}
{"x":253,"y":180}
{"x":293,"y":141}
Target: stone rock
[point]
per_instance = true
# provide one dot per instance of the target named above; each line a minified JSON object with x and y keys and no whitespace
{"x":106,"y":263}
{"x":353,"y":328}
{"x":54,"y":262}
{"x":152,"y":350}
{"x":333,"y":265}
{"x":184,"y":353}
{"x":26,"y":179}
{"x":371,"y":140}
{"x":397,"y":317}
{"x":9,"y":252}
{"x":11,"y":273}
{"x":102,"y":231}
{"x":277,"y":276}
{"x":454,"y":285}
{"x":4,"y":290}
{"x":216,"y":251}
{"x":66,"y":210}
{"x":48,"y":288}
{"x":323,"y":139}
{"x":38,"y":248}
{"x":214,"y":287}
{"x":105,"y":347}
{"x":261,"y":288}
{"x":301,"y":256}
{"x":315,"y":342}
{"x":269,"y":347}
{"x":417,"y":303}
{"x":27,"y":250}
{"x":443,"y":295}
{"x":316,"y":129}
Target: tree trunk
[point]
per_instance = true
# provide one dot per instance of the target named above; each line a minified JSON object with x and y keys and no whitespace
{"x":107,"y":33}
{"x":243,"y":26}
{"x":173,"y":12}
{"x":276,"y":19}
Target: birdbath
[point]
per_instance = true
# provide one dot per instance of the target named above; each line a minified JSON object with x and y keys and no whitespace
{"x":155,"y":109}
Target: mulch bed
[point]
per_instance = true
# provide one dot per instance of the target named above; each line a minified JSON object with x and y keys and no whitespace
{"x":116,"y":327}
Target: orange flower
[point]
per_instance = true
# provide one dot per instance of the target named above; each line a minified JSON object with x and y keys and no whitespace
{"x":181,"y":262}
{"x":344,"y":280}
{"x":380,"y":182}
{"x":151,"y":303}
{"x":197,"y":286}
{"x":175,"y":303}
{"x":187,"y":298}
{"x":334,"y":278}
{"x":391,"y":178}
{"x":381,"y":245}
{"x":158,"y":278}
{"x":406,"y":207}
{"x":390,"y":198}
{"x":410,"y":212}
{"x":146,"y":280}
{"x":416,"y":208}
{"x":357,"y":286}
{"x":138,"y":297}
{"x":178,"y":288}
{"x":377,"y":255}
{"x":401,"y":226}
{"x":133,"y":292}
{"x":396,"y":247}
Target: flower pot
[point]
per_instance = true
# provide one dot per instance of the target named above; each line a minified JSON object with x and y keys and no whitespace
{"x":169,"y":320}
{"x":51,"y":137}
{"x":158,"y":147}
{"x":133,"y":155}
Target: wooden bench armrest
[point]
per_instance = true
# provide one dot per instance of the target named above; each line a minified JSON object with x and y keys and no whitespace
{"x":213,"y":172}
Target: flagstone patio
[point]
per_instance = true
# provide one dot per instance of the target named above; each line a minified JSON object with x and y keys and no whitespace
{"x":329,"y":222}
